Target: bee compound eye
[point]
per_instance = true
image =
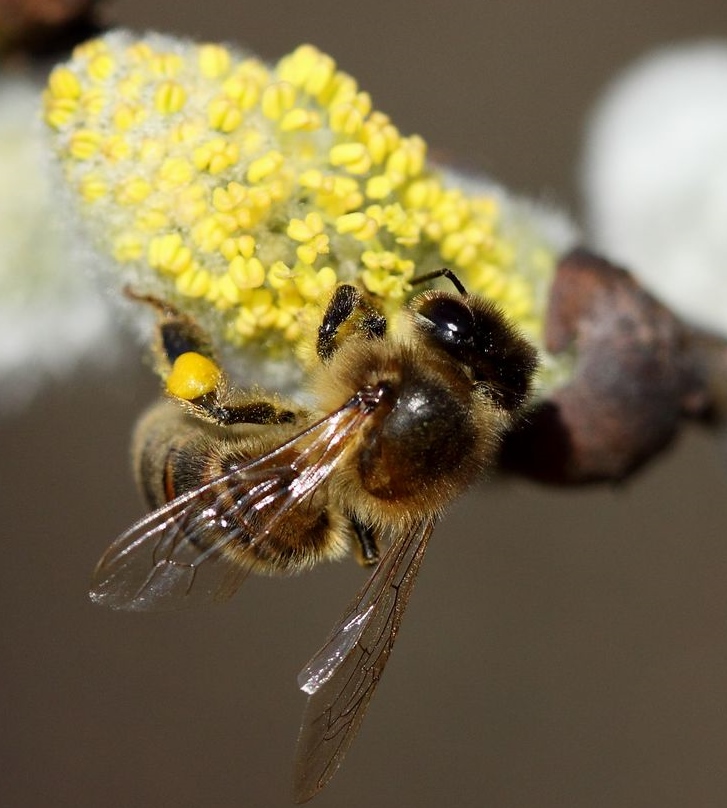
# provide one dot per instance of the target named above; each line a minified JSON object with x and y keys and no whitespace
{"x":451,"y":319}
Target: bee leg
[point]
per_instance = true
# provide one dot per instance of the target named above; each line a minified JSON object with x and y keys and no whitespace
{"x":367,"y":549}
{"x":348,"y":307}
{"x":186,"y":362}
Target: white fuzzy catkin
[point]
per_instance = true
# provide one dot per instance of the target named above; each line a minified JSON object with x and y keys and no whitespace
{"x":52,"y":318}
{"x":655,"y":178}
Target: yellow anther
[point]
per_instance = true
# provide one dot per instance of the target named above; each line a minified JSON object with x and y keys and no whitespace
{"x":308,"y":69}
{"x":139,"y":52}
{"x":175,"y":171}
{"x":224,"y":114}
{"x":264,"y":166}
{"x":305,"y":229}
{"x":247,"y":273}
{"x":93,"y":187}
{"x":209,"y":233}
{"x":300,"y":120}
{"x":132,"y":191}
{"x":152,"y":151}
{"x":151,"y":220}
{"x":408,"y":158}
{"x":84,"y":143}
{"x":354,"y":157}
{"x":101,"y":67}
{"x":227,"y":198}
{"x":314,"y":285}
{"x":277,"y":99}
{"x":128,"y":247}
{"x":169,"y":254}
{"x":63,"y":83}
{"x":89,"y":49}
{"x":190,"y":203}
{"x":243,"y":246}
{"x":423,"y":193}
{"x":345,"y":119}
{"x":93,"y":101}
{"x":170,"y":97}
{"x":280,"y":276}
{"x":116,"y":148}
{"x":215,"y":156}
{"x":341,"y":89}
{"x":166,"y":65}
{"x":125,"y":116}
{"x":192,"y":375}
{"x":359,"y":225}
{"x":193,"y":282}
{"x":244,"y":90}
{"x":379,"y":187}
{"x":214,"y":61}
{"x":59,"y":111}
{"x":308,"y":252}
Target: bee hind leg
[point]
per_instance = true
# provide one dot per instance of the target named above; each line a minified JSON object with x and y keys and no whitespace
{"x":186,"y":362}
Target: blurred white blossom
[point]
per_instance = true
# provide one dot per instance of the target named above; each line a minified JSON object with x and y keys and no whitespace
{"x":655,"y":177}
{"x":51,"y":317}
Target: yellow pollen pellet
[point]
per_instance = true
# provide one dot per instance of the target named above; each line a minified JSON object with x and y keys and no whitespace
{"x":214,"y":61}
{"x":63,"y":83}
{"x":84,"y":144}
{"x":277,"y":99}
{"x":169,"y":97}
{"x":223,"y":114}
{"x":264,"y":166}
{"x":192,"y":375}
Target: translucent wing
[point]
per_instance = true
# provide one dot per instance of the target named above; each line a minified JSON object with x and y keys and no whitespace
{"x":342,"y":676}
{"x":189,"y":550}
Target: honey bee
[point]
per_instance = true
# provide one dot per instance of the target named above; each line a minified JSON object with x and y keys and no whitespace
{"x":403,"y":422}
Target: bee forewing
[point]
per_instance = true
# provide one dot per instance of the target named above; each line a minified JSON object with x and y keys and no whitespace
{"x":342,"y":676}
{"x":190,"y":549}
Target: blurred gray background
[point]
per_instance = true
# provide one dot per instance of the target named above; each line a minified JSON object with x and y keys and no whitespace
{"x":561,"y":648}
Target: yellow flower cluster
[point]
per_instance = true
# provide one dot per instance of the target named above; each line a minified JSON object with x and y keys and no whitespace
{"x":224,"y":184}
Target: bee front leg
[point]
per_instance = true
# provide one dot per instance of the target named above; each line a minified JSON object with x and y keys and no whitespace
{"x":350,"y":309}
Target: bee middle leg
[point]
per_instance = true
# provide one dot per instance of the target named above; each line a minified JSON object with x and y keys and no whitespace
{"x":367,"y":549}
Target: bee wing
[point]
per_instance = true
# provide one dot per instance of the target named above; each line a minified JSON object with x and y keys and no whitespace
{"x":189,"y":551}
{"x":342,"y":676}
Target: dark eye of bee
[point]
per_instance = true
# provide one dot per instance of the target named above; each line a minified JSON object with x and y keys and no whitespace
{"x":476,"y":333}
{"x":451,"y":319}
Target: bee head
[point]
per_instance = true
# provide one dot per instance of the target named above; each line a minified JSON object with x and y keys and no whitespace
{"x":475,"y":333}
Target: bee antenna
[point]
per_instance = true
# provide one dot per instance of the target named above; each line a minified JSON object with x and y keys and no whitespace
{"x":445,"y":272}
